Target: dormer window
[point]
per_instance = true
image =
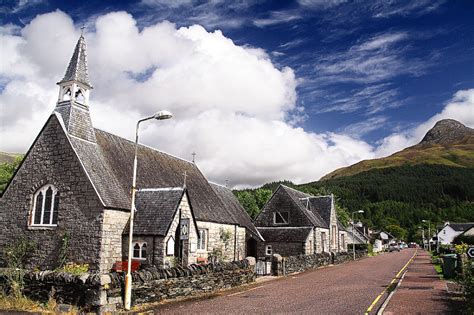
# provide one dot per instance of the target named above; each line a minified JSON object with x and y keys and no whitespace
{"x":45,"y":207}
{"x":281,"y":217}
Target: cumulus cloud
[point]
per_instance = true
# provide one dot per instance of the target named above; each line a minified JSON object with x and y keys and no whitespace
{"x":231,"y":104}
{"x":460,"y":108}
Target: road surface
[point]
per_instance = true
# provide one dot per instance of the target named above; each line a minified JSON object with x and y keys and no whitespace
{"x":349,"y":288}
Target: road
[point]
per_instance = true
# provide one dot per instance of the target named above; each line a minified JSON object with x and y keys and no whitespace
{"x":348,"y":288}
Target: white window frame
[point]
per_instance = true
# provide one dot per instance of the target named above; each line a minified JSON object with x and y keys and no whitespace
{"x":268,"y":250}
{"x":33,"y":212}
{"x":140,"y":256}
{"x":279,"y":213}
{"x":170,"y":249}
{"x":202,"y":241}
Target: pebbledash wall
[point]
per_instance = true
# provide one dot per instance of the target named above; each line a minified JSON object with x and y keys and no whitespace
{"x":96,"y":292}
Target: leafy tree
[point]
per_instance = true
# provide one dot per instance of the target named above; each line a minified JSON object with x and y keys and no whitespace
{"x":397,"y":231}
{"x":247,"y":200}
{"x":262,"y":195}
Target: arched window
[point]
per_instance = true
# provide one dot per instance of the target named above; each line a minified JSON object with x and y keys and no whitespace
{"x":67,"y":94}
{"x":45,"y":206}
{"x":79,"y":96}
{"x":139,"y":250}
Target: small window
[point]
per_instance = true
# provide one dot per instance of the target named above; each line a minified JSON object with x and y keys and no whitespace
{"x":45,"y":207}
{"x":268,"y":250}
{"x":281,"y":217}
{"x":323,"y":241}
{"x":139,"y":250}
{"x":202,"y":239}
{"x":170,"y":247}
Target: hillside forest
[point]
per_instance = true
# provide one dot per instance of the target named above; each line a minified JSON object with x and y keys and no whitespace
{"x":396,"y":199}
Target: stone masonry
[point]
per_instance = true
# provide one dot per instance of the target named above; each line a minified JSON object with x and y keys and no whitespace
{"x":52,"y":160}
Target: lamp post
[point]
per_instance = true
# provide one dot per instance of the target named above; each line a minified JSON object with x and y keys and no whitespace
{"x":161,"y":115}
{"x":429,"y":234}
{"x":353,"y":238}
{"x":422,"y":235}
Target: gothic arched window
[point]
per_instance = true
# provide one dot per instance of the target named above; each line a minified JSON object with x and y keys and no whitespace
{"x":139,"y":250}
{"x":45,"y":206}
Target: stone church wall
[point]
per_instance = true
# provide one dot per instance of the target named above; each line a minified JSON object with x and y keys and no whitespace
{"x":114,"y":223}
{"x":52,"y":160}
{"x":103,"y":292}
{"x":235,"y":244}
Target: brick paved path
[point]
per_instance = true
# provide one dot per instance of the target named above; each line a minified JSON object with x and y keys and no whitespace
{"x":421,"y":291}
{"x":342,"y":289}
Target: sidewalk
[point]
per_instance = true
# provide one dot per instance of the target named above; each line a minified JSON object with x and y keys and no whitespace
{"x":421,"y":291}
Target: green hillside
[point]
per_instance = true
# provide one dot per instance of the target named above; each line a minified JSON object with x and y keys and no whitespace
{"x":433,"y":180}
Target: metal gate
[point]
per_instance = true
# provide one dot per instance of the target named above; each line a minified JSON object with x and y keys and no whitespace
{"x":263,"y":268}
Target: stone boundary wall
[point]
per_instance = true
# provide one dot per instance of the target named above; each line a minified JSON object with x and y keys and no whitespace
{"x":95,"y":292}
{"x":301,"y":263}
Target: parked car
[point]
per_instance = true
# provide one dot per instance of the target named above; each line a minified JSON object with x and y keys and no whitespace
{"x":412,"y":245}
{"x":402,"y":245}
{"x":393,"y":247}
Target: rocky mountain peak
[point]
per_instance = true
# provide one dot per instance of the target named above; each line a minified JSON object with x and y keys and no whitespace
{"x":447,"y":131}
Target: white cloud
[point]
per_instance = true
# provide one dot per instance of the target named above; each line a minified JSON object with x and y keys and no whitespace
{"x":460,"y":108}
{"x":231,"y":104}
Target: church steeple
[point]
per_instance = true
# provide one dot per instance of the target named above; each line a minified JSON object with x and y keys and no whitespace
{"x":74,"y":91}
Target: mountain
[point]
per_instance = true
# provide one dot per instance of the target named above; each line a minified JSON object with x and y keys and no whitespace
{"x":448,"y":143}
{"x":8,"y":157}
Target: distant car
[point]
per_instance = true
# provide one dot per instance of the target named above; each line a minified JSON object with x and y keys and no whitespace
{"x":402,"y":245}
{"x":393,"y":247}
{"x":412,"y":245}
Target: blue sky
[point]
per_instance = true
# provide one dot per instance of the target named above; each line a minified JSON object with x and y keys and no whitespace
{"x":370,"y":70}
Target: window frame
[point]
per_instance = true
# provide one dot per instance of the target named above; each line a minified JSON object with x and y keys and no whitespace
{"x":54,"y":207}
{"x":140,"y":245}
{"x":280,"y":213}
{"x":268,"y":250}
{"x":199,"y":246}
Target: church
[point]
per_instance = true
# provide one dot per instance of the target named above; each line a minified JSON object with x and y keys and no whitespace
{"x":71,"y":196}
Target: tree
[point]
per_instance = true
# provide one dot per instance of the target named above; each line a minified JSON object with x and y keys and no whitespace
{"x":247,"y":200}
{"x":397,"y":231}
{"x":262,"y":196}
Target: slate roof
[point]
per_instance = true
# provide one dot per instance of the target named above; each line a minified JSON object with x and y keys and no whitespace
{"x":285,"y":234}
{"x":110,"y":166}
{"x":308,"y":209}
{"x":233,"y":205}
{"x":156,"y":209}
{"x":77,"y":68}
{"x":461,"y":227}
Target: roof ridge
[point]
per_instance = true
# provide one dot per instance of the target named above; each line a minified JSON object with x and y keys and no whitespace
{"x":145,"y":146}
{"x":161,"y":189}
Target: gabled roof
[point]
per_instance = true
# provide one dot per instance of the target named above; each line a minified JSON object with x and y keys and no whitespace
{"x":461,"y":227}
{"x":77,"y":68}
{"x":109,"y":164}
{"x":233,"y":205}
{"x":309,"y":205}
{"x":156,"y":209}
{"x":282,"y":234}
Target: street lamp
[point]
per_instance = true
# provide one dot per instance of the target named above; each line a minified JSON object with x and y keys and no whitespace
{"x":422,"y":235}
{"x":161,"y":115}
{"x":429,"y":233}
{"x":353,"y":238}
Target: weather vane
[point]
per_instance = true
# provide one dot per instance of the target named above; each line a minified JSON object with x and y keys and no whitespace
{"x":82,"y":29}
{"x":194,"y":156}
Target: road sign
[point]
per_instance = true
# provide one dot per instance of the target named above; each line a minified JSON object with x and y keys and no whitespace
{"x":470,"y":252}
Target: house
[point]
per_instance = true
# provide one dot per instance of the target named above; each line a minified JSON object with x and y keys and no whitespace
{"x":71,"y":195}
{"x":357,"y":233}
{"x":381,"y":240}
{"x":295,"y":223}
{"x":450,"y":230}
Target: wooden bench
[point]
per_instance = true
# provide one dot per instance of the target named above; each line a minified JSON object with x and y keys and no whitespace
{"x":123,"y":266}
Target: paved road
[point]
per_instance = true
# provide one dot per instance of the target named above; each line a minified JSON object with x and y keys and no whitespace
{"x":349,"y":288}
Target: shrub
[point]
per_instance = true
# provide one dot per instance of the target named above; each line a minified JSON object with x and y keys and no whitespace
{"x":466,"y":239}
{"x":73,"y":268}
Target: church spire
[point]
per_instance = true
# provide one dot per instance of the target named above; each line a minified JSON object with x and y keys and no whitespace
{"x":73,"y":99}
{"x":77,"y":69}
